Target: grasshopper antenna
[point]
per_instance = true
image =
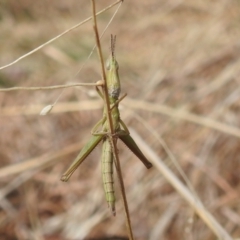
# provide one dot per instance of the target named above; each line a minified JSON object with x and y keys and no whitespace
{"x":113,"y":43}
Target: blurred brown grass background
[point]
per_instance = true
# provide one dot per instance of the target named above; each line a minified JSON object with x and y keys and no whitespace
{"x":179,"y":54}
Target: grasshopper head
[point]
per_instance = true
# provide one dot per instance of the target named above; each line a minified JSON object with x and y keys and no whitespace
{"x":113,"y":82}
{"x":112,"y":64}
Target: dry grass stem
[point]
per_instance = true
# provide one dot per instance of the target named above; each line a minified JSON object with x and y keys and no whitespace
{"x":196,"y":204}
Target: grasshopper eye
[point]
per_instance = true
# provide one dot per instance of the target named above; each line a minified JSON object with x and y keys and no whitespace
{"x":107,"y":65}
{"x":116,"y":65}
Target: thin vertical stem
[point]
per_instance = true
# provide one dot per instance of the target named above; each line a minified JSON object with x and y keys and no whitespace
{"x":122,"y":187}
{"x":109,"y":118}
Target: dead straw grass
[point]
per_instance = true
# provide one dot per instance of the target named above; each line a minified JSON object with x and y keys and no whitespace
{"x":179,"y":64}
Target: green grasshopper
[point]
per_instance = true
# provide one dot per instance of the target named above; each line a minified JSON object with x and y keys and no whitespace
{"x":120,"y":131}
